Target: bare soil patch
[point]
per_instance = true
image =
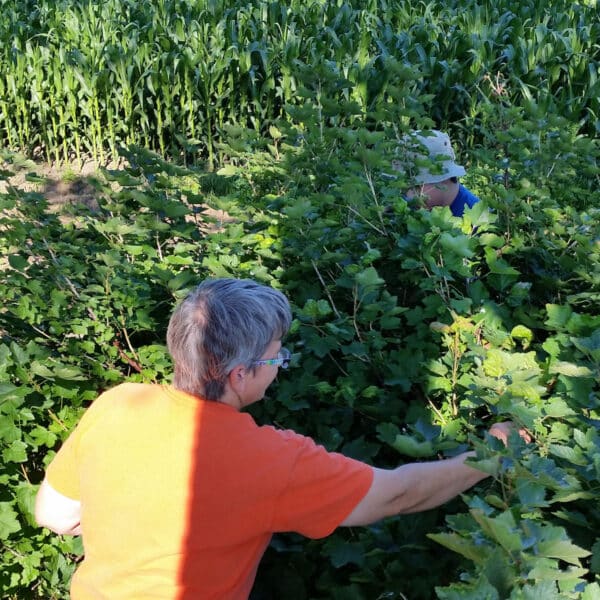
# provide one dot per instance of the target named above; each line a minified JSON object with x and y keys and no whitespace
{"x":69,"y":185}
{"x":61,"y":185}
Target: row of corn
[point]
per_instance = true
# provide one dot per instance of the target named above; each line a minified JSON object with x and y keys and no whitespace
{"x":81,"y":78}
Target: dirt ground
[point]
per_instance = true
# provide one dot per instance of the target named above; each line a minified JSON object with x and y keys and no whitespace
{"x":68,"y":184}
{"x":59,"y":184}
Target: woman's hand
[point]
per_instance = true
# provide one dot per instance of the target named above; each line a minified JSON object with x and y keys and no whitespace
{"x":502,"y":430}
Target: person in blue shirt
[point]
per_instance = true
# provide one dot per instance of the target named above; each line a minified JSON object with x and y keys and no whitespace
{"x":429,"y":161}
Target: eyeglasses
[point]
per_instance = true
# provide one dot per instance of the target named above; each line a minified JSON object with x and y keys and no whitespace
{"x":283,"y":359}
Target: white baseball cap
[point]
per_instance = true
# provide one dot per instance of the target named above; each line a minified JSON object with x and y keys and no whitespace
{"x":430,"y":154}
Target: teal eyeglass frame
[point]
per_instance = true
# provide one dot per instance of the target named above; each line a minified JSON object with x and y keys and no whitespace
{"x":283,"y":359}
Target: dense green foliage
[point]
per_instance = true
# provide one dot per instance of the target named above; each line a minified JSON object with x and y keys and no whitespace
{"x":83,"y":77}
{"x":412,"y":334}
{"x":413,"y":330}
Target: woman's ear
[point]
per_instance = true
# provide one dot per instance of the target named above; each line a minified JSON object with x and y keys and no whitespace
{"x":237,"y":377}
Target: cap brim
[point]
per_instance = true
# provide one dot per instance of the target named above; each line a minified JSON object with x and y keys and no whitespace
{"x":450,"y":170}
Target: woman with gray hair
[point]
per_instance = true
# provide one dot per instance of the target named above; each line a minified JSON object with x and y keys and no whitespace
{"x":221,"y":324}
{"x":176,"y":491}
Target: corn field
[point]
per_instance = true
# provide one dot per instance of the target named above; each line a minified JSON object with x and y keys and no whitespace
{"x":81,"y":78}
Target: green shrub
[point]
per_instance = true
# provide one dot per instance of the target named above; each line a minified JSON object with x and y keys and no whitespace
{"x":413,"y":330}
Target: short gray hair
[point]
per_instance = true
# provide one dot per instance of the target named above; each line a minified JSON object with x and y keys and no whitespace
{"x":221,"y":324}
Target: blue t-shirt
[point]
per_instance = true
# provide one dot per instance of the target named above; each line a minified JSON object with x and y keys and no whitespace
{"x":463,"y":199}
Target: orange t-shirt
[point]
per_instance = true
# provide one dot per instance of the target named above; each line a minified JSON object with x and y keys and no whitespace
{"x":180,"y":496}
